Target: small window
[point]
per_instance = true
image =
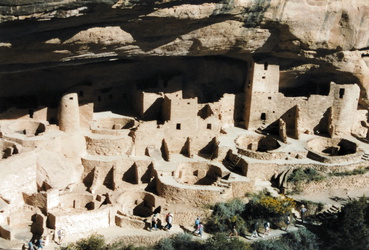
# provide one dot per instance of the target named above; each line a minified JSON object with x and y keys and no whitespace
{"x":208,"y":126}
{"x":70,"y":98}
{"x":342,"y":93}
{"x":269,"y":97}
{"x":188,"y":103}
{"x":178,"y":126}
{"x":263,"y":116}
{"x":266,"y":66}
{"x":263,"y":77}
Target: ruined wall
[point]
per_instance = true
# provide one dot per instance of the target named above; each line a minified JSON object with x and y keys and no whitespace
{"x":18,"y":176}
{"x":265,"y":105}
{"x":345,"y":104}
{"x":78,"y":223}
{"x":109,"y":144}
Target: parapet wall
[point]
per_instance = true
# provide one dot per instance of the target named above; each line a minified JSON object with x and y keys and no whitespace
{"x":82,"y":222}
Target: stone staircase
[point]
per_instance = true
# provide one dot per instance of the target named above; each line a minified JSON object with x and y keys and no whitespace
{"x":365,"y":157}
{"x":326,"y":215}
{"x":223,"y":183}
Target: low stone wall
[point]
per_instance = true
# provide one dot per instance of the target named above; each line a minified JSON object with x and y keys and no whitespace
{"x":175,"y":192}
{"x":266,"y":156}
{"x":336,"y":159}
{"x":81,"y":222}
{"x":353,"y":182}
{"x":109,"y":144}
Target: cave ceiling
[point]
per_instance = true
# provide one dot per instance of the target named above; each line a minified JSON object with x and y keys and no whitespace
{"x":50,"y":46}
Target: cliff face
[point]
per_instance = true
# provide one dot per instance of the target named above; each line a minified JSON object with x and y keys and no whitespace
{"x":49,"y":46}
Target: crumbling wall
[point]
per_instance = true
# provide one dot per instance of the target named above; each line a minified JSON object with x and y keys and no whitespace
{"x":121,"y":144}
{"x":81,"y":222}
{"x":18,"y":175}
{"x":345,"y":104}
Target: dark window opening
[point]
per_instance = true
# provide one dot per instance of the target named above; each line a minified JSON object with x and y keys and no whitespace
{"x":263,"y":77}
{"x":342,"y":93}
{"x":263,"y":116}
{"x":30,"y":112}
{"x":208,"y":126}
{"x":81,"y":93}
{"x":70,"y":98}
{"x":269,"y":97}
{"x":306,"y":89}
{"x":52,"y":120}
{"x":178,"y":126}
{"x":266,"y":66}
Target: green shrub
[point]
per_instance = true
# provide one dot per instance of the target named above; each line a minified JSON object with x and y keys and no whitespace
{"x":304,"y":175}
{"x":300,"y":239}
{"x":121,"y":245}
{"x":225,"y":215}
{"x":93,"y":242}
{"x":300,"y":176}
{"x":358,"y":171}
{"x":262,"y":206}
{"x":165,"y":244}
{"x":350,"y":230}
{"x":181,"y":241}
{"x":221,"y":241}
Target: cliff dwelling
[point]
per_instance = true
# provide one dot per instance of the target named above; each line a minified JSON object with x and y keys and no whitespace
{"x":110,"y":123}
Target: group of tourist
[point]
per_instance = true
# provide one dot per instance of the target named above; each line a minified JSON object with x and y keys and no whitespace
{"x":155,"y":221}
{"x":199,"y":228}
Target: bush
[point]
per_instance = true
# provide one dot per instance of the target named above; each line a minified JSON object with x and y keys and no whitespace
{"x":165,"y":244}
{"x":300,"y":239}
{"x":350,"y":230}
{"x":262,"y":206}
{"x":358,"y":171}
{"x":304,"y":175}
{"x":225,"y":215}
{"x":93,"y":242}
{"x":180,"y":241}
{"x":221,"y":241}
{"x":120,"y":245}
{"x":300,"y":176}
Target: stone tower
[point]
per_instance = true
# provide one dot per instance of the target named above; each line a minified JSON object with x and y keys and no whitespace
{"x":69,"y":113}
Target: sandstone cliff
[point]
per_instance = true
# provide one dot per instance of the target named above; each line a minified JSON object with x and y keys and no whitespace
{"x":93,"y":41}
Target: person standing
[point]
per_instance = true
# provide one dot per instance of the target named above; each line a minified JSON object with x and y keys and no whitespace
{"x":169,"y":221}
{"x":200,"y":229}
{"x":302,"y":212}
{"x":266,"y":228}
{"x":197,"y":223}
{"x":234,"y":231}
{"x":154,"y":222}
{"x":255,"y":230}
{"x":287,"y":221}
{"x":60,"y":234}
